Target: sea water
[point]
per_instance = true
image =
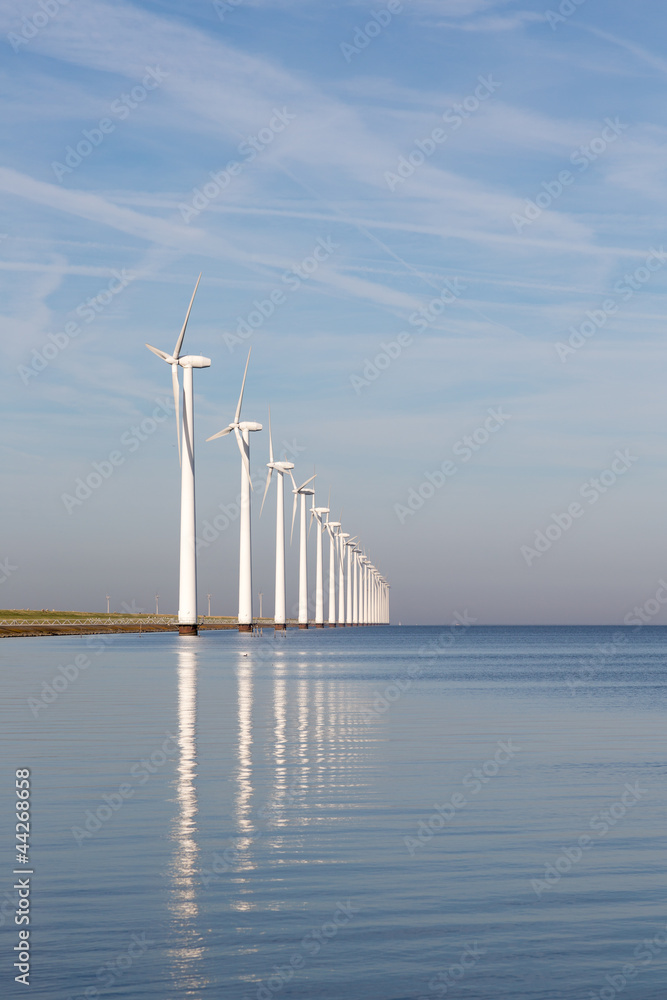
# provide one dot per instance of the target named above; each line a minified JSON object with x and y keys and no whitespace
{"x":382,"y":813}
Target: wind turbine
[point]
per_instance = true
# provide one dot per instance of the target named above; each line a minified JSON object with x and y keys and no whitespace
{"x":332,"y":527}
{"x":349,"y":544}
{"x":361,"y":560}
{"x":187,"y":591}
{"x":279,"y":619}
{"x":356,"y":557}
{"x":302,"y":492}
{"x":242,"y":429}
{"x":342,"y":535}
{"x":317,"y":513}
{"x":363,"y":591}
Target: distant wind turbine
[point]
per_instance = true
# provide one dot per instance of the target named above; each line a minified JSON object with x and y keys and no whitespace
{"x":279,"y":619}
{"x":242,"y":429}
{"x":342,"y":535}
{"x":303,"y":492}
{"x":332,"y":528}
{"x":349,"y":544}
{"x":187,"y":591}
{"x":317,"y":513}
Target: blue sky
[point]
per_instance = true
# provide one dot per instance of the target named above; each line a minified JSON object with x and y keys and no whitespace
{"x":499,"y":166}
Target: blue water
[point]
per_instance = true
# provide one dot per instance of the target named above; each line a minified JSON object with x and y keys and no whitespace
{"x":282,"y":837}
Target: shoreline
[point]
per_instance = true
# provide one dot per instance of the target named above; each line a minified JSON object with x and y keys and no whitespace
{"x":27,"y":630}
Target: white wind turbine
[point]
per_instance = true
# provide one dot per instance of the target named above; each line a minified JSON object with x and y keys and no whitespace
{"x":341,"y":536}
{"x":361,"y":561}
{"x":242,"y":430}
{"x":364,"y":594}
{"x":187,"y":590}
{"x":302,"y":492}
{"x":317,"y":513}
{"x":332,"y":527}
{"x":279,"y":620}
{"x":349,"y":544}
{"x":356,"y":556}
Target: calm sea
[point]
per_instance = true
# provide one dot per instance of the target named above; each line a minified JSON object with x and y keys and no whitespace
{"x":381,"y":813}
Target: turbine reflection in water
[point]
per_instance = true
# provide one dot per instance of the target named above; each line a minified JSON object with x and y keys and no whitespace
{"x":188,"y":948}
{"x":277,"y":806}
{"x":244,"y":787}
{"x":317,"y":741}
{"x":303,"y":740}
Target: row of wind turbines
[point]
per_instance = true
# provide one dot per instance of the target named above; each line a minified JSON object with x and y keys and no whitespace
{"x":358,"y":594}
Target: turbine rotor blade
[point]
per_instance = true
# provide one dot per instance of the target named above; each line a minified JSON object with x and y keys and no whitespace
{"x":312,"y":515}
{"x":179,"y":342}
{"x":296,"y":500}
{"x":177,"y":408}
{"x":160,"y":354}
{"x":227,"y":430}
{"x":238,"y":408}
{"x":266,"y":490}
{"x":244,"y":457}
{"x":270,"y":439}
{"x":293,"y":482}
{"x":307,"y":481}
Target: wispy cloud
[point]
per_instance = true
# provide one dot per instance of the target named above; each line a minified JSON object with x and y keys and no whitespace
{"x":509,"y":22}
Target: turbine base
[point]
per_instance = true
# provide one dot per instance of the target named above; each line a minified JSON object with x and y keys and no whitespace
{"x":331,"y":624}
{"x":303,"y":625}
{"x":319,"y":625}
{"x":280,"y":628}
{"x":188,"y":630}
{"x":245,"y":627}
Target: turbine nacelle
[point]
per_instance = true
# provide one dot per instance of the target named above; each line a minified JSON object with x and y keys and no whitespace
{"x":194,"y":361}
{"x":249,"y":425}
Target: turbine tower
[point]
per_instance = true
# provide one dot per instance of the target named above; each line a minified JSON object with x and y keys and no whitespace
{"x":242,"y":429}
{"x":279,"y":619}
{"x":302,"y":492}
{"x":187,"y":590}
{"x":317,"y":513}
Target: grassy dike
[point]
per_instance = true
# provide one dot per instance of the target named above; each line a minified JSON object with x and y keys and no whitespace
{"x":34,"y":623}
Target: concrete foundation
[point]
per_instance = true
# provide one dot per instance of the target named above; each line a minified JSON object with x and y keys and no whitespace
{"x":280,"y":628}
{"x":245,"y":628}
{"x":303,"y":625}
{"x":188,"y":630}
